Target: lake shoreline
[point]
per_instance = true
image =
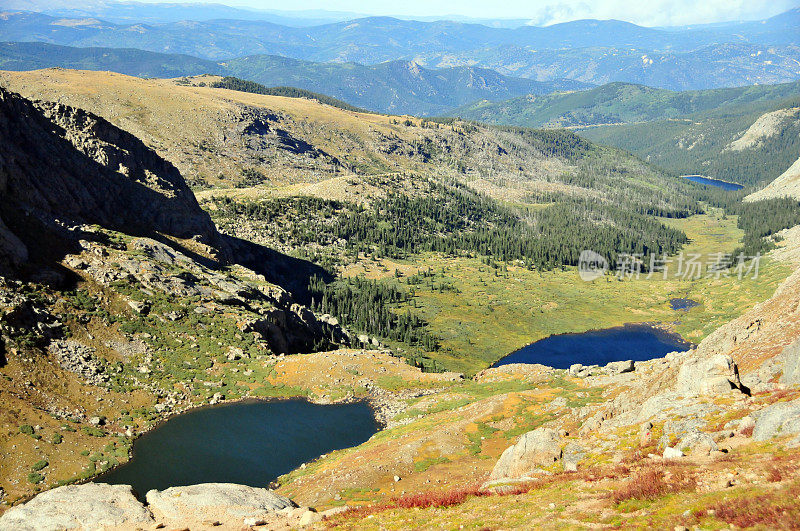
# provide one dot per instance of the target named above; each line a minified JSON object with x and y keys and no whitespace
{"x":662,"y":330}
{"x":237,"y":417}
{"x":727,"y":185}
{"x":378,"y":407}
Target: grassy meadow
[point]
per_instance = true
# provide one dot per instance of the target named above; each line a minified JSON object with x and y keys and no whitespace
{"x":482,"y":312}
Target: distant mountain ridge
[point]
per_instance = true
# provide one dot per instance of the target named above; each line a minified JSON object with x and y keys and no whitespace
{"x":586,"y":50}
{"x":401,"y":87}
{"x":617,"y":103}
{"x":750,"y":142}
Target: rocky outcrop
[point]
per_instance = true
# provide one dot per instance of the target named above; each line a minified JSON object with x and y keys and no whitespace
{"x":582,"y":371}
{"x":24,"y":316}
{"x":99,"y":506}
{"x":12,"y":251}
{"x":89,"y":506}
{"x":268,"y":310}
{"x":534,"y":450}
{"x":63,"y":166}
{"x":778,"y":420}
{"x":620,"y":367}
{"x":216,"y":501}
{"x":786,"y":184}
{"x":708,"y":377}
{"x":697,"y":443}
{"x":766,"y":329}
{"x":790,"y":358}
{"x":80,"y":359}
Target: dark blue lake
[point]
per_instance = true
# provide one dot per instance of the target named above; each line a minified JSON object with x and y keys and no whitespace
{"x":635,"y":342}
{"x":713,"y":182}
{"x":250,"y":443}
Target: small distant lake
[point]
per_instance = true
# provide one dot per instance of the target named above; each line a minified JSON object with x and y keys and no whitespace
{"x":250,"y":443}
{"x":713,"y":182}
{"x":683,"y":304}
{"x":637,"y":342}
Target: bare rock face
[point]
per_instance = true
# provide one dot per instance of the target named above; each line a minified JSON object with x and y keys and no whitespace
{"x":778,"y":420}
{"x":270,"y":311}
{"x":791,"y":364}
{"x":708,"y":377}
{"x":620,"y":367}
{"x":12,"y":251}
{"x":64,"y":166}
{"x":88,"y":506}
{"x":538,"y":448}
{"x":216,"y":501}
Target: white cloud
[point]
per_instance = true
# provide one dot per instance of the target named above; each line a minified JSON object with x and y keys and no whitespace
{"x":657,"y":12}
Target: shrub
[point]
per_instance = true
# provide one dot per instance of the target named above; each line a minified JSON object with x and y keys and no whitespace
{"x":652,"y":484}
{"x":27,"y":429}
{"x":35,"y":477}
{"x":762,"y":511}
{"x":446,"y":498}
{"x":774,"y":475}
{"x":93,"y":432}
{"x":646,"y":486}
{"x":57,"y":438}
{"x":39,"y":465}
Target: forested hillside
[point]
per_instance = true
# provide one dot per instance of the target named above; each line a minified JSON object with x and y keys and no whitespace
{"x":398,"y":87}
{"x":621,"y":103}
{"x":36,"y":55}
{"x":750,"y":144}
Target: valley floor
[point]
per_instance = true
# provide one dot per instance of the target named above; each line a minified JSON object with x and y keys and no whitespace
{"x":483,"y":312}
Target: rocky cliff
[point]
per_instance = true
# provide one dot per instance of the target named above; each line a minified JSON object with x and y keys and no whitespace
{"x":61,"y":167}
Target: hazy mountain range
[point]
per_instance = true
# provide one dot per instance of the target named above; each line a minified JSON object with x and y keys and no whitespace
{"x":397,"y":86}
{"x":128,"y":12}
{"x":586,"y":50}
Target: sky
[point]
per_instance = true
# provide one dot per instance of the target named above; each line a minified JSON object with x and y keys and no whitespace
{"x":543,"y":12}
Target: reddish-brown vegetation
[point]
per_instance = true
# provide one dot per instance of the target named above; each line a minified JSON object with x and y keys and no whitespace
{"x":774,"y":475}
{"x":423,"y":500}
{"x":654,"y":482}
{"x":445,"y":498}
{"x":779,"y":510}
